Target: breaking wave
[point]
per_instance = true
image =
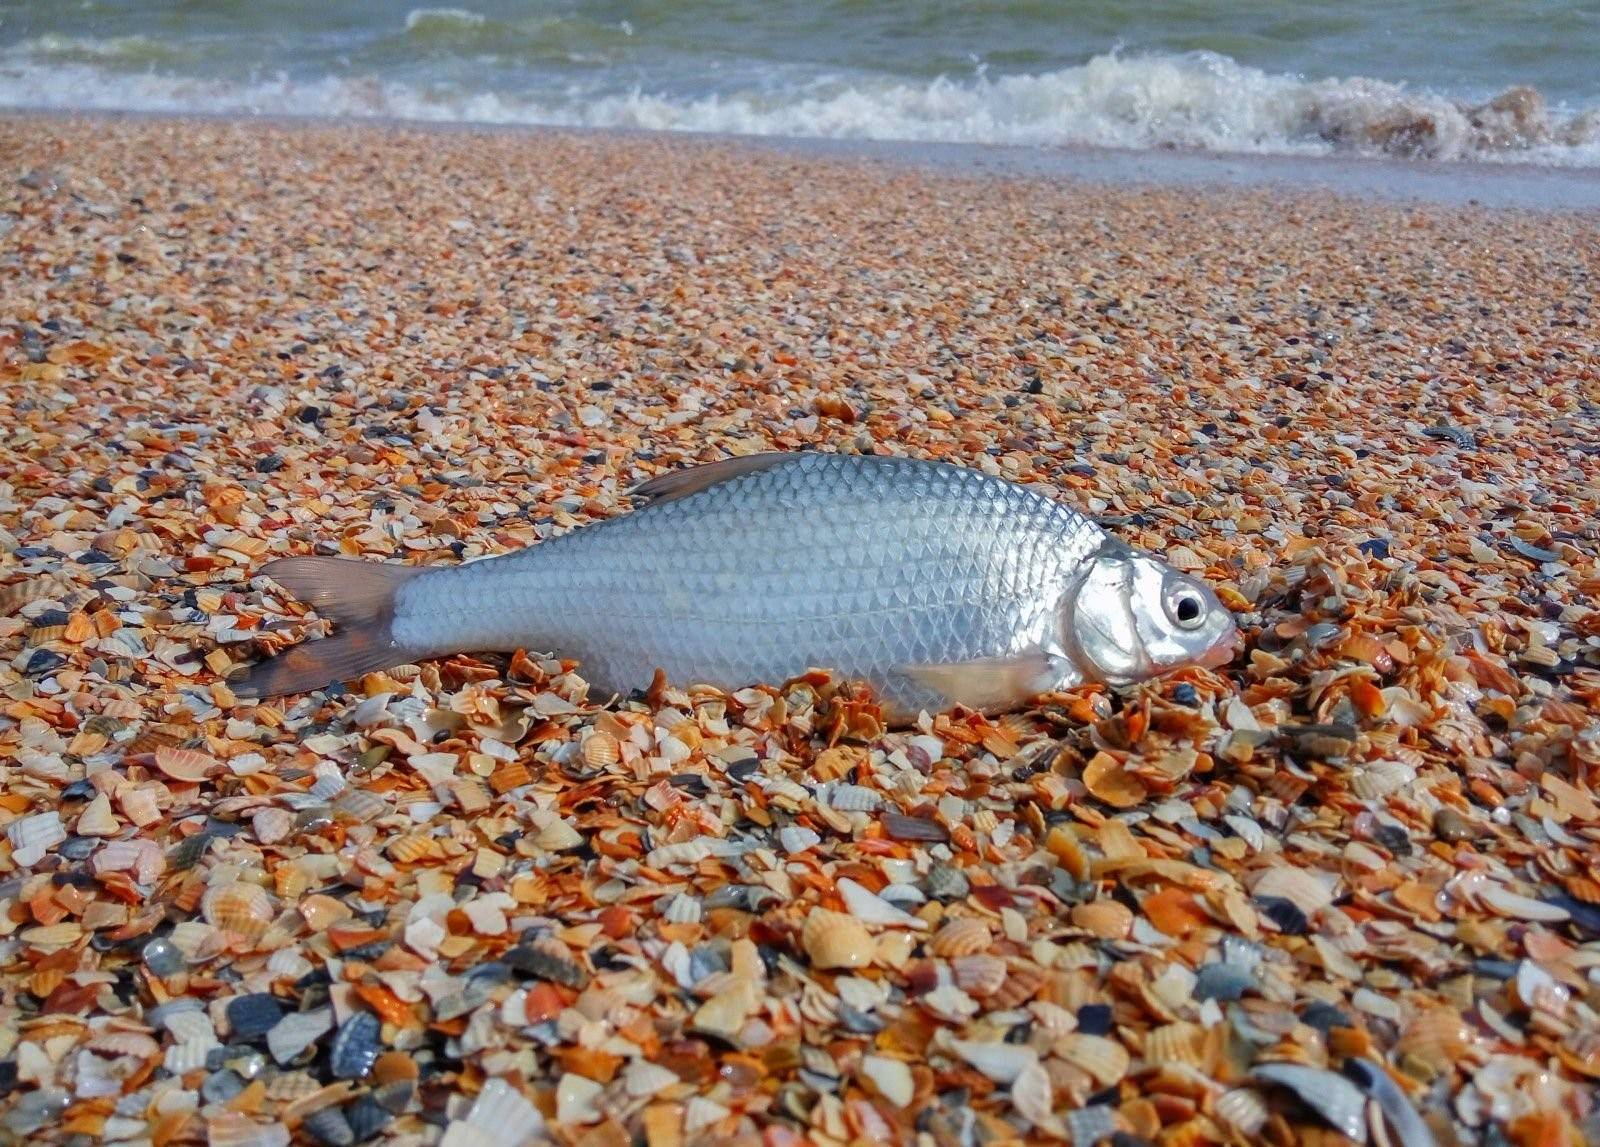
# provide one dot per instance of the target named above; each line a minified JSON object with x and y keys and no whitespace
{"x":1198,"y":101}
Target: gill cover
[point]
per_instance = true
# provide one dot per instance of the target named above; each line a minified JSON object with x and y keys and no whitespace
{"x":1104,"y":631}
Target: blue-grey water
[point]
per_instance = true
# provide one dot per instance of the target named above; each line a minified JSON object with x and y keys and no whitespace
{"x":1455,"y":79}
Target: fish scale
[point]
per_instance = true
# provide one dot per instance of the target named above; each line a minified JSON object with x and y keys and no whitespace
{"x":859,"y":565}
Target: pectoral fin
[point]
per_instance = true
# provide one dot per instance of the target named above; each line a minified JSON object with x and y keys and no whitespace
{"x":991,"y":684}
{"x":677,"y":484}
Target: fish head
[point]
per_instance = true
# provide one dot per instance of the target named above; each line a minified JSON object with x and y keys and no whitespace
{"x":1134,"y":616}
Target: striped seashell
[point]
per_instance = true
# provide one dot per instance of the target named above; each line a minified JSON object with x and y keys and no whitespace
{"x":327,"y":786}
{"x":1379,"y":779}
{"x":116,"y":856}
{"x":412,"y":847}
{"x":1437,"y":1037}
{"x":852,"y":798}
{"x":186,"y":765}
{"x":1053,"y":1019}
{"x":979,"y":975}
{"x":297,"y":1031}
{"x":39,"y":832}
{"x":1105,"y":1060}
{"x":504,"y":1115}
{"x":271,"y":824}
{"x":835,"y":940}
{"x":286,"y":963}
{"x":510,"y":776}
{"x":199,"y":941}
{"x":361,"y":805}
{"x":600,"y":750}
{"x":187,"y":1056}
{"x":557,"y":836}
{"x":1243,"y":1109}
{"x":1107,"y":919}
{"x":1022,"y":983}
{"x":795,"y":838}
{"x":241,"y":908}
{"x":125,"y":1043}
{"x":191,"y":1026}
{"x":683,"y":909}
{"x":782,"y":788}
{"x":963,"y":936}
{"x":1181,"y":1043}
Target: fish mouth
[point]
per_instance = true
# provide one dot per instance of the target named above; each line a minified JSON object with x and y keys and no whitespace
{"x":1224,"y":650}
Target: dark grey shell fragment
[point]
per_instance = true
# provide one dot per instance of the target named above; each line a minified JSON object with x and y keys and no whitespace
{"x":355,"y":1046}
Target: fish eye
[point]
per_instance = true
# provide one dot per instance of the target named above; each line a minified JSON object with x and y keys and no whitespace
{"x":1187,"y":608}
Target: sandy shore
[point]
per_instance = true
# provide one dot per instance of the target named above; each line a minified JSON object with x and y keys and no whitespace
{"x":489,"y":901}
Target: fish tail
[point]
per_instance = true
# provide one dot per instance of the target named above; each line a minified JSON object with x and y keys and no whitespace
{"x":360,"y":599}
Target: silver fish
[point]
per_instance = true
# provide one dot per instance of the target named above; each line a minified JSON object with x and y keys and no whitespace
{"x":936,"y":584}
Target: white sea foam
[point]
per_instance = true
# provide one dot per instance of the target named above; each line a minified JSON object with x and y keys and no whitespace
{"x":1197,"y":101}
{"x":445,"y":18}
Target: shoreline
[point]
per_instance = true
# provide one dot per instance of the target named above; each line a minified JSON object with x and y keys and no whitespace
{"x":1516,"y":186}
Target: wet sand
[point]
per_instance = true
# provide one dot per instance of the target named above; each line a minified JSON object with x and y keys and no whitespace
{"x":1373,"y":424}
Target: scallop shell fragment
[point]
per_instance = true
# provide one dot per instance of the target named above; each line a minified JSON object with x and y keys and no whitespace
{"x":601,"y":750}
{"x":963,"y":936}
{"x":32,"y":836}
{"x":835,"y":940}
{"x":1105,"y":1060}
{"x":682,"y":909}
{"x":1438,"y":1037}
{"x":506,"y":1116}
{"x":795,"y":839}
{"x":186,"y":765}
{"x":1180,"y":1043}
{"x":978,"y":975}
{"x":1243,"y":1109}
{"x":240,"y":908}
{"x":297,"y":1031}
{"x":1107,"y":919}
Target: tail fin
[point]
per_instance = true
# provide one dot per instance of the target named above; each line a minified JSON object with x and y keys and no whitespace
{"x":359,"y":598}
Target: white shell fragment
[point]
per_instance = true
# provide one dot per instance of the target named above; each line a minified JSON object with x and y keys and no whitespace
{"x":870,"y":908}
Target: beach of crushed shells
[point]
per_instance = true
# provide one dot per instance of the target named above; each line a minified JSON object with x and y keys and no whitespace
{"x":1347,"y":888}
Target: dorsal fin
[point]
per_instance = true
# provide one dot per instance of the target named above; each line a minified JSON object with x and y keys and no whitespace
{"x":681,"y":483}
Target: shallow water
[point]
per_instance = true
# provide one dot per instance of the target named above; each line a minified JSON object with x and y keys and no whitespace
{"x":1403,"y":79}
